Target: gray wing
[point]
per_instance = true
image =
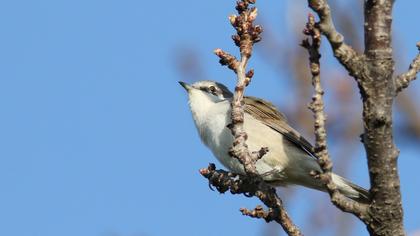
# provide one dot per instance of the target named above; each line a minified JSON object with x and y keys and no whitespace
{"x":270,"y":116}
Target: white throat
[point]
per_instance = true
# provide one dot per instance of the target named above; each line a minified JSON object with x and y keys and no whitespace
{"x":208,"y":110}
{"x":211,"y":118}
{"x":201,"y":105}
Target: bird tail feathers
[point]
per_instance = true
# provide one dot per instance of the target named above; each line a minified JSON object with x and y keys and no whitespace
{"x":351,"y":190}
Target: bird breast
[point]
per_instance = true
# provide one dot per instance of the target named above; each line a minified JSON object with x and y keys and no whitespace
{"x":215,"y":135}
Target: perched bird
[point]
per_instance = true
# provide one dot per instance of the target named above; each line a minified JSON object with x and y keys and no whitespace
{"x":290,"y":158}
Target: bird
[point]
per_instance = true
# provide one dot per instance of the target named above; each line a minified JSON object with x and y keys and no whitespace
{"x":290,"y":159}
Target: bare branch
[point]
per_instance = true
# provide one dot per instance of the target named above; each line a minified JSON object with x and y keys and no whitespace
{"x":317,"y":107}
{"x":247,"y":35}
{"x":226,"y":181}
{"x":258,"y":212}
{"x":252,"y":184}
{"x":402,"y":81}
{"x":226,"y":59}
{"x":345,"y":54}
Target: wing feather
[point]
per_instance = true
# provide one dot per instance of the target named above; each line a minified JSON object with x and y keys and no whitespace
{"x":270,"y":116}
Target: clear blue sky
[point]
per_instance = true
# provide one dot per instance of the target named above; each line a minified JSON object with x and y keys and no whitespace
{"x":95,"y":134}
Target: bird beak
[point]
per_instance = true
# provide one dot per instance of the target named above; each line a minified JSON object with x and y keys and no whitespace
{"x":185,"y":85}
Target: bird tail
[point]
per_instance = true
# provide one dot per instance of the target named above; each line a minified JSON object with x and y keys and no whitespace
{"x":351,"y":190}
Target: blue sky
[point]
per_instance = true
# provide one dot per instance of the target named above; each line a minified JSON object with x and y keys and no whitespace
{"x":95,"y":134}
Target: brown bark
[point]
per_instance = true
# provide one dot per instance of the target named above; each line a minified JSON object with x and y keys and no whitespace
{"x":373,"y":72}
{"x":378,"y":91}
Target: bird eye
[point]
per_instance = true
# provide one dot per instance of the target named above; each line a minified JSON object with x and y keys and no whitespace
{"x":212,"y":89}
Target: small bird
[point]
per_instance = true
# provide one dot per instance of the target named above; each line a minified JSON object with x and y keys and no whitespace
{"x":290,"y":159}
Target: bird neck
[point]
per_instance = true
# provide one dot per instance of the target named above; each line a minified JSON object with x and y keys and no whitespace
{"x":210,"y":117}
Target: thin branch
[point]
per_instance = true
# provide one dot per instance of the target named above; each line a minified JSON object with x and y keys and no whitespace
{"x":252,"y":184}
{"x":402,"y":81}
{"x":345,"y":54}
{"x":317,"y":107}
{"x":247,"y":35}
{"x":225,"y":181}
{"x":259,"y":213}
{"x":226,"y":59}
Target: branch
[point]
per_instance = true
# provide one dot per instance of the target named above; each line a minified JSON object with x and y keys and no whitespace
{"x":225,"y":181}
{"x":345,"y":54}
{"x":247,"y":35}
{"x":317,"y":107}
{"x":402,"y":81}
{"x":379,"y":93}
{"x":252,"y":184}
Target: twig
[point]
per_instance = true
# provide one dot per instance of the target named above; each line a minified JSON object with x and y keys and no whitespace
{"x":317,"y":107}
{"x":225,"y":181}
{"x":345,"y":54}
{"x":258,"y":212}
{"x":402,"y":81}
{"x":252,"y":184}
{"x":247,"y":35}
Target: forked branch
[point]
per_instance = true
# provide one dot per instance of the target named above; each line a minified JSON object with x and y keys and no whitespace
{"x":345,"y":54}
{"x":225,"y":181}
{"x":317,"y":107}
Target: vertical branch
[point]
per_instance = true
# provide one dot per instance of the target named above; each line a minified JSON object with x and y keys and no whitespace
{"x":376,"y":85}
{"x":373,"y":72}
{"x":317,"y":107}
{"x":247,"y":35}
{"x":378,"y":93}
{"x":252,"y":184}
